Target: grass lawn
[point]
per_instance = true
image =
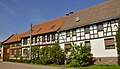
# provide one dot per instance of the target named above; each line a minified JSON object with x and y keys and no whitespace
{"x":99,"y":67}
{"x":90,"y":67}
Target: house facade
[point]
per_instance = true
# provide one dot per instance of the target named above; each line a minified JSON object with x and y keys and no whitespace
{"x":44,"y":34}
{"x":1,"y":51}
{"x":12,"y":46}
{"x":95,"y":26}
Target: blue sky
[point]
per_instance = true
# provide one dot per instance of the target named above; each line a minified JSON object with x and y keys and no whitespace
{"x":16,"y":15}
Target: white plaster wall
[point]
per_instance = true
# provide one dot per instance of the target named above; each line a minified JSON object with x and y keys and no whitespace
{"x":1,"y":53}
{"x":98,"y":49}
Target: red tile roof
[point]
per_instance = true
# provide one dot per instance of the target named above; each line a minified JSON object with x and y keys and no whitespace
{"x":14,"y":38}
{"x":47,"y":27}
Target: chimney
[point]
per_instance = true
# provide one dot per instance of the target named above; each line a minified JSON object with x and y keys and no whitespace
{"x":69,"y":13}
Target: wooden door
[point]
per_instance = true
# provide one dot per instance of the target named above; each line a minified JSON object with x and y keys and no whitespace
{"x":6,"y":53}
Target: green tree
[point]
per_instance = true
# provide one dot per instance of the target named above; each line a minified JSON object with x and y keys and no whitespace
{"x":58,"y":55}
{"x":52,"y":55}
{"x":80,"y":55}
{"x":118,"y":41}
{"x":35,"y":52}
{"x":45,"y":55}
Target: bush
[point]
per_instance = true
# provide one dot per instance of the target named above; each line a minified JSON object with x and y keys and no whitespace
{"x":74,"y":63}
{"x":26,"y":61}
{"x":38,"y":61}
{"x":52,"y":55}
{"x":57,"y":54}
{"x":80,"y":56}
{"x":33,"y":62}
{"x":118,"y":41}
{"x":45,"y":55}
{"x":11,"y":60}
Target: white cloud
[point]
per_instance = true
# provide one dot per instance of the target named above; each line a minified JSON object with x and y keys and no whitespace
{"x":7,"y":8}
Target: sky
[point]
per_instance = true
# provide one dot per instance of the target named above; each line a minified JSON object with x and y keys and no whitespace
{"x":16,"y":15}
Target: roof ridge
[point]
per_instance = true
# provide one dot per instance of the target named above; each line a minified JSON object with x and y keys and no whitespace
{"x":50,"y":20}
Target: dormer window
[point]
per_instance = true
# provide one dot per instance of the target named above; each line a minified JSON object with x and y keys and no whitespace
{"x":52,"y":26}
{"x":39,"y":29}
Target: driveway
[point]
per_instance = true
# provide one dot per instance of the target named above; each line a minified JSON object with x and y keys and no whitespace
{"x":10,"y":65}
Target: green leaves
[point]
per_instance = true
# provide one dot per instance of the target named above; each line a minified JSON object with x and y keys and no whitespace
{"x":118,"y":38}
{"x":80,"y":55}
{"x":52,"y":55}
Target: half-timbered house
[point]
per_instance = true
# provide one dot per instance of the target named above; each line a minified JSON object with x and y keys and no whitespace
{"x":44,"y":34}
{"x":95,"y":26}
{"x":1,"y":51}
{"x":12,"y":46}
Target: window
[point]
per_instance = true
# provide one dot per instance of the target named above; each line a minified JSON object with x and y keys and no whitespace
{"x":68,"y":47}
{"x":17,"y":52}
{"x":35,"y":39}
{"x":87,"y":43}
{"x":25,"y":52}
{"x":53,"y":37}
{"x":39,"y":29}
{"x":99,"y":27}
{"x":74,"y":32}
{"x":52,"y":26}
{"x":109,"y":43}
{"x":12,"y":52}
{"x":43,"y":38}
{"x":17,"y":44}
{"x":68,"y":33}
{"x":24,"y":41}
{"x":48,"y":38}
{"x":87,"y":30}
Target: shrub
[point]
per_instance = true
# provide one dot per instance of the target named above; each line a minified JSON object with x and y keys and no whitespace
{"x":38,"y":61}
{"x":80,"y":55}
{"x":45,"y":55}
{"x":52,"y":55}
{"x":57,"y":54}
{"x":74,"y":63}
{"x":33,"y":62}
{"x":118,"y":41}
{"x":21,"y":60}
{"x":26,"y":61}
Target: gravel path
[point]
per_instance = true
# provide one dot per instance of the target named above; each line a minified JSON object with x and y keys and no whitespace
{"x":10,"y":65}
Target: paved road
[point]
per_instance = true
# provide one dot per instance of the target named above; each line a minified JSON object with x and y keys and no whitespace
{"x":9,"y":65}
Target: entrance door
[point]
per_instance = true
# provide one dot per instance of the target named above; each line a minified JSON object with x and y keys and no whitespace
{"x":6,"y":53}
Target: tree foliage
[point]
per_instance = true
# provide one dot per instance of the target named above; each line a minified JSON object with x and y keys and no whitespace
{"x":118,"y":38}
{"x":58,"y":54}
{"x":35,"y":52}
{"x":52,"y":55}
{"x":118,"y":41}
{"x":80,"y":55}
